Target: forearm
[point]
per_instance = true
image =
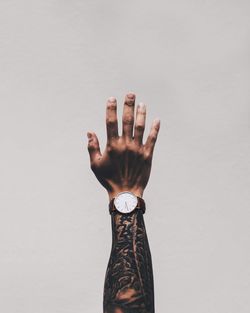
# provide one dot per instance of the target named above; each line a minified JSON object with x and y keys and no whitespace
{"x":128,"y":284}
{"x":124,"y":168}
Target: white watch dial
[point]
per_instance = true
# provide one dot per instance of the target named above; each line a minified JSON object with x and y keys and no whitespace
{"x":125,"y":202}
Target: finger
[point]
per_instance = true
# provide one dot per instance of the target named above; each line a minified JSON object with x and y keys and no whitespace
{"x":140,"y":123}
{"x":111,"y":119}
{"x":152,"y":137}
{"x":93,"y":148}
{"x":128,"y":116}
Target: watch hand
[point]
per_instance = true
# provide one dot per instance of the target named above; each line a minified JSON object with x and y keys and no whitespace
{"x":126,"y":205}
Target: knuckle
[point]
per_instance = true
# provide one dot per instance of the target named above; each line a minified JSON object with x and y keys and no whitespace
{"x":139,"y":127}
{"x":130,"y":99}
{"x":122,"y":148}
{"x":130,"y":147}
{"x":91,"y":147}
{"x":111,"y":146}
{"x":140,"y":153}
{"x":129,"y":102}
{"x":153,"y":137}
{"x":111,"y":106}
{"x":110,"y":122}
{"x":134,"y":149}
{"x":147,"y":155}
{"x":129,"y":120}
{"x":142,"y":112}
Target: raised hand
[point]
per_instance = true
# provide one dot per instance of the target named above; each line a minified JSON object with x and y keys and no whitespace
{"x":125,"y":164}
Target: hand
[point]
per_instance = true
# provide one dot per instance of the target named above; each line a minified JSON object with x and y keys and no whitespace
{"x":125,"y":164}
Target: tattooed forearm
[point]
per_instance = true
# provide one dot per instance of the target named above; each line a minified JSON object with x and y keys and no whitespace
{"x":128,"y":284}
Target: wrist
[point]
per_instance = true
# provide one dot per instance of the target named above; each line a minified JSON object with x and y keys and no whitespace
{"x":136,"y":191}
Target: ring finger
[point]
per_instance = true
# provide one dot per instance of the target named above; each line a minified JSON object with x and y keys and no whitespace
{"x":140,"y":123}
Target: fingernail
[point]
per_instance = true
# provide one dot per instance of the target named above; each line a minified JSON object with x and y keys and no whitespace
{"x":142,"y":106}
{"x":131,"y":95}
{"x":157,"y":122}
{"x":112,"y":99}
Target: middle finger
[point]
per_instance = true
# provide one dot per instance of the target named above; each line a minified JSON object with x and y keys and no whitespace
{"x":128,"y":116}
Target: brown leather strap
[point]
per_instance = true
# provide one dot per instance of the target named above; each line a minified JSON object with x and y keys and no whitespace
{"x":140,"y":205}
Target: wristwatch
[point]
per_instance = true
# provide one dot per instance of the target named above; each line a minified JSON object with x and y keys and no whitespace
{"x":126,"y":202}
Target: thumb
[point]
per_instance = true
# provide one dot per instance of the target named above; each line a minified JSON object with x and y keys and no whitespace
{"x":93,"y":147}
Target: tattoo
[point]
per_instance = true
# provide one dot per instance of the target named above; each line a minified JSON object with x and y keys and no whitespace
{"x":128,"y":284}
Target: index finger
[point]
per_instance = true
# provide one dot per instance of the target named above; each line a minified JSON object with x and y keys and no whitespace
{"x":111,"y":118}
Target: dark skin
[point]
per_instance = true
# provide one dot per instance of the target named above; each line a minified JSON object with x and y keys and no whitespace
{"x":126,"y":162}
{"x":125,"y":165}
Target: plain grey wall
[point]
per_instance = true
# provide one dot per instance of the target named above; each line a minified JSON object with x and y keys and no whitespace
{"x":189,"y":62}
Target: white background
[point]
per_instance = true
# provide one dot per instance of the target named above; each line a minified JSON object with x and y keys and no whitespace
{"x":189,"y":62}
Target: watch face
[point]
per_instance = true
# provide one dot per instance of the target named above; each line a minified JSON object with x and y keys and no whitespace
{"x":125,"y":202}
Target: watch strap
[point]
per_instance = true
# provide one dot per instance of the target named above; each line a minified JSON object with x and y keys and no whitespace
{"x":140,"y":206}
